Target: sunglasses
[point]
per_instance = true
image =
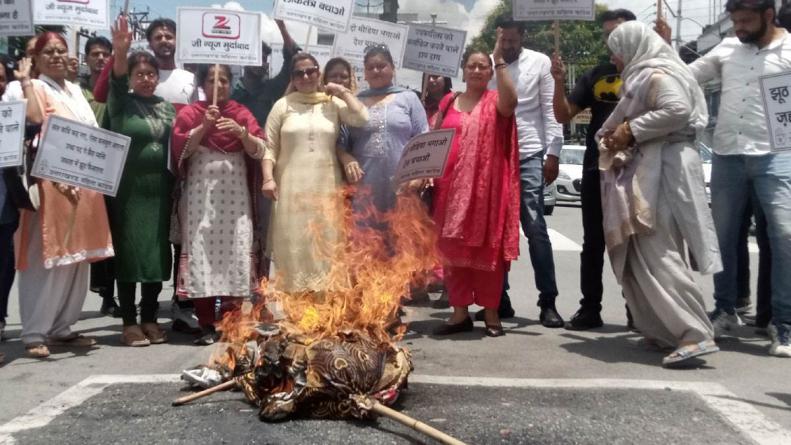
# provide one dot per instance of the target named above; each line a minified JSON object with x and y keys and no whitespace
{"x":310,"y":72}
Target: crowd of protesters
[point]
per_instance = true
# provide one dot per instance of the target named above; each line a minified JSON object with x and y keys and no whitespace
{"x":223,"y":176}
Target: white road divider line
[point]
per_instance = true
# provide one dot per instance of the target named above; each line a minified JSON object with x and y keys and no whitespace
{"x":741,"y":414}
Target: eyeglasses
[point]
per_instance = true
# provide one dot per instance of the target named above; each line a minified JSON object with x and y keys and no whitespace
{"x":49,"y":52}
{"x":310,"y":72}
{"x":477,"y":66}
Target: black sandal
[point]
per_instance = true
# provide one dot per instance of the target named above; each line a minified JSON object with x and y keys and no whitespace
{"x":447,"y":329}
{"x":494,"y":330}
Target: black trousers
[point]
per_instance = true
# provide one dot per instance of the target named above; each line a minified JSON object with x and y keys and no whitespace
{"x":7,"y":270}
{"x":592,"y":255}
{"x":148,"y":302}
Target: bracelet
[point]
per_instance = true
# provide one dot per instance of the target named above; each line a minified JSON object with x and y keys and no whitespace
{"x":244,"y":133}
{"x":269,"y":180}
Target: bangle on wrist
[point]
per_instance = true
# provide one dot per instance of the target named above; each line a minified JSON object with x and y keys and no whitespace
{"x":244,"y":133}
{"x":267,"y":181}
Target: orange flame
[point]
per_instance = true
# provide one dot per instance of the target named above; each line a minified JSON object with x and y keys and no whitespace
{"x":371,"y":269}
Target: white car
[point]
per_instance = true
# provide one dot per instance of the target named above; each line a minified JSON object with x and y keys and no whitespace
{"x":569,"y":182}
{"x":705,"y":157}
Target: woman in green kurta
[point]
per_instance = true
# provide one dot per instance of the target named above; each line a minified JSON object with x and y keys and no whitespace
{"x":140,"y":211}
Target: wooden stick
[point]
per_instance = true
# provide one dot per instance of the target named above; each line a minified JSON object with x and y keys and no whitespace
{"x":307,"y":40}
{"x":414,"y":424}
{"x":556,"y":29}
{"x":224,"y":386}
{"x":126,"y":8}
{"x":659,"y":10}
{"x":216,"y":79}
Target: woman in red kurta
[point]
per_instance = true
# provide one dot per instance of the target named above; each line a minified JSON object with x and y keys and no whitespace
{"x":476,"y":202}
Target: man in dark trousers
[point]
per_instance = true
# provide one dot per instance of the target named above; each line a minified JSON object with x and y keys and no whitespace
{"x":597,"y":89}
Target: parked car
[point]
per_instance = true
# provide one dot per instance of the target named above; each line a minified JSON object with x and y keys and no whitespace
{"x":549,"y":199}
{"x":705,"y":157}
{"x":569,"y":182}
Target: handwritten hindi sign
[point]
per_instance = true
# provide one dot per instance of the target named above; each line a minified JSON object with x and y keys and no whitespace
{"x":425,"y":156}
{"x":322,"y":53}
{"x":88,"y":13}
{"x":434,"y":50}
{"x":364,"y":33}
{"x":12,"y":132}
{"x":537,"y":10}
{"x":208,"y":35}
{"x":776,"y":92}
{"x":80,"y":155}
{"x":16,"y":18}
{"x":332,"y":15}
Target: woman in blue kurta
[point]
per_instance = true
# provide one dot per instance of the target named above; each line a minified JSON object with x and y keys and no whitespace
{"x":395,"y":116}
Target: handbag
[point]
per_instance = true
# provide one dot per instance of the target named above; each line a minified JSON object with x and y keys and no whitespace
{"x":427,"y":194}
{"x":22,"y":188}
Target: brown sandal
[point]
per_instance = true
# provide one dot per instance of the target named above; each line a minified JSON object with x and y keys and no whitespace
{"x":133,"y":336}
{"x":74,"y":340}
{"x":154,"y":333}
{"x":37,"y":350}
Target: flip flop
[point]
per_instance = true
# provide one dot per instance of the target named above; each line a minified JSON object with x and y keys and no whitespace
{"x":37,"y":350}
{"x":689,"y":351}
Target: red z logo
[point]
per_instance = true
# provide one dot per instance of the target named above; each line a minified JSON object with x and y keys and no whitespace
{"x":221,"y":22}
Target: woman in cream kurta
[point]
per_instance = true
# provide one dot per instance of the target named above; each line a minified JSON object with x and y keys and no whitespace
{"x":303,"y":176}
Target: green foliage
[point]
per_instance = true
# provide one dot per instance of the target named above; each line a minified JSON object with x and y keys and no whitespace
{"x":580,"y":42}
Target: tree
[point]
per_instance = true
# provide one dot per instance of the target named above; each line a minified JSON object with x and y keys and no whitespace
{"x":580,"y":42}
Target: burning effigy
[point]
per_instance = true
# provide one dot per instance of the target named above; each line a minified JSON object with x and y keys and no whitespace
{"x":333,"y":353}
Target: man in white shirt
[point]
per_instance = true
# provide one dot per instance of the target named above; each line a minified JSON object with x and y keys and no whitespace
{"x":743,"y":164}
{"x":176,"y":85}
{"x":538,"y":133}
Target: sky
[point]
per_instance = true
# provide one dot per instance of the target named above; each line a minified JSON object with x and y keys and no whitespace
{"x":463,"y":14}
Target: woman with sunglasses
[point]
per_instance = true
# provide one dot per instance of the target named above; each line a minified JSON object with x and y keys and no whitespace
{"x":302,"y":173}
{"x":476,"y":201}
{"x":139,"y":213}
{"x":216,"y":149}
{"x":53,"y":268}
{"x":395,"y":116}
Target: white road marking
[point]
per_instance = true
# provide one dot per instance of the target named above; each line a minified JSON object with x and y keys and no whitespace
{"x":562,"y":243}
{"x":752,"y":247}
{"x":743,"y":416}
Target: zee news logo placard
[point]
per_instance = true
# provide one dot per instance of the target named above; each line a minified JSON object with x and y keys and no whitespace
{"x":221,"y":26}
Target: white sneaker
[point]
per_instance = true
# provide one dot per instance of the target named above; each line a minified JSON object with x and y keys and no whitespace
{"x":781,"y":341}
{"x":184,"y":319}
{"x":724,"y":322}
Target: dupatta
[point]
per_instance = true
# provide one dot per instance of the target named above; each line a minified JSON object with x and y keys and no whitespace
{"x":482,"y":213}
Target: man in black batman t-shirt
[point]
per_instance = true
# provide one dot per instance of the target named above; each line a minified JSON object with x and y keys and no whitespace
{"x":597,"y":89}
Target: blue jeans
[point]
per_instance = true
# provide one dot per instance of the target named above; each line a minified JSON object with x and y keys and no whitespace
{"x":531,"y":215}
{"x":734,"y":179}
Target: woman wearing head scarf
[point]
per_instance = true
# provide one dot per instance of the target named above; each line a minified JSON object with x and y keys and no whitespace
{"x":653,"y":194}
{"x":302,"y":173}
{"x":70,"y":227}
{"x":215,"y":149}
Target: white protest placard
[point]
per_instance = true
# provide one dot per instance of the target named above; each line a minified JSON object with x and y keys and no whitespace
{"x":87,"y":13}
{"x":77,"y":154}
{"x":16,"y":18}
{"x":537,"y":10}
{"x":425,"y":156}
{"x":208,"y":35}
{"x":322,"y":53}
{"x":12,"y":132}
{"x":776,"y":94}
{"x":331,"y":15}
{"x":434,"y":50}
{"x":363,"y":33}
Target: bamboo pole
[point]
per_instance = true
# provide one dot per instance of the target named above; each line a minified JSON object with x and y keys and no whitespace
{"x":216,"y":83}
{"x":659,"y":10}
{"x":224,"y":386}
{"x":556,"y":31}
{"x":376,"y":407}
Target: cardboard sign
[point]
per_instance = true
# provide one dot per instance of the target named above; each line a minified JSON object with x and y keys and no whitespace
{"x":538,"y":10}
{"x":81,"y":155}
{"x":207,"y":35}
{"x":425,"y":156}
{"x":364,"y":33}
{"x":12,"y":132}
{"x":776,"y":94}
{"x":16,"y":18}
{"x":434,"y":50}
{"x":331,"y":15}
{"x":87,"y":13}
{"x":322,"y":53}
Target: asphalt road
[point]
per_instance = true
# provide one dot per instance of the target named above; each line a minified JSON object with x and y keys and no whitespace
{"x":535,"y":385}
